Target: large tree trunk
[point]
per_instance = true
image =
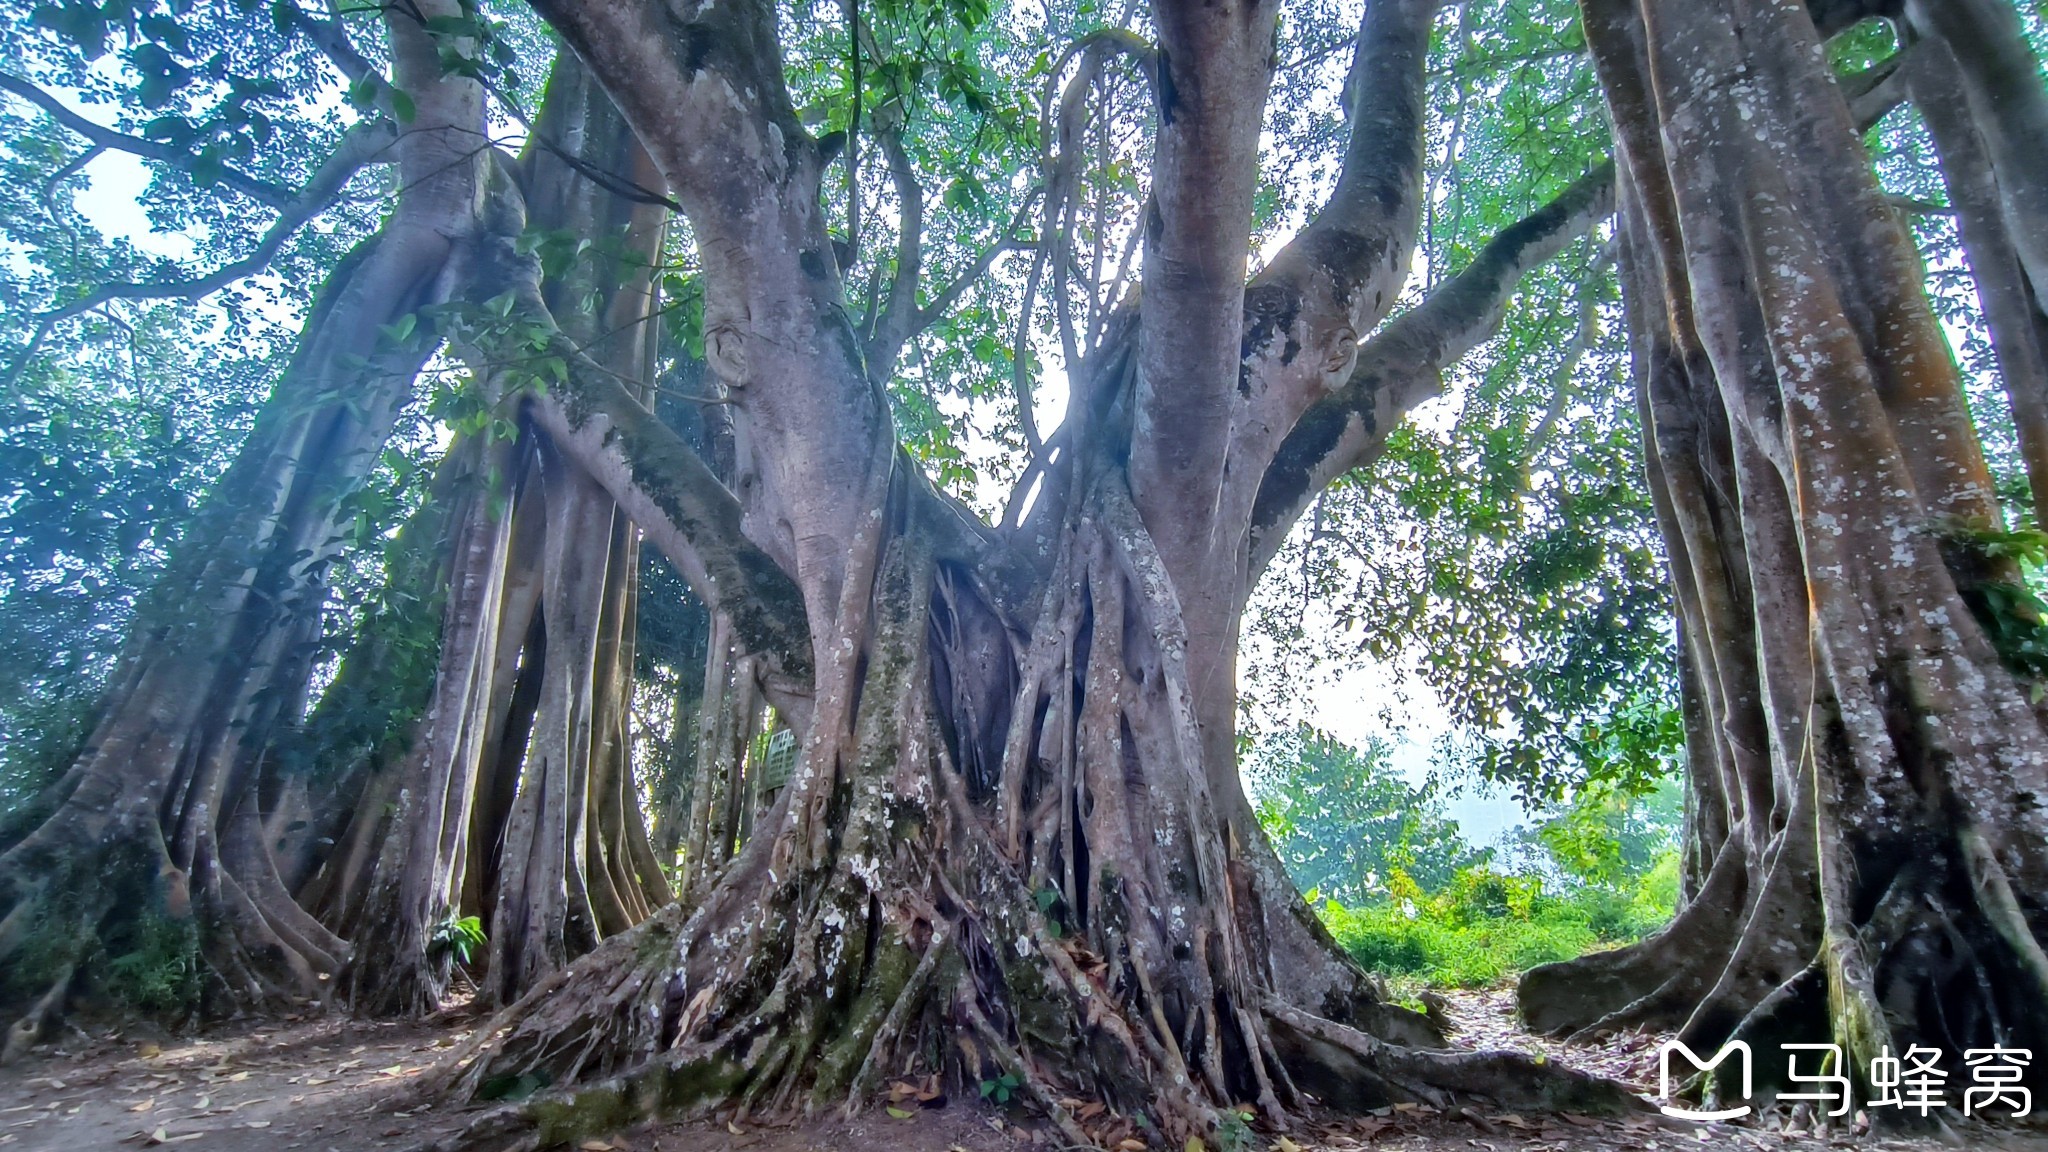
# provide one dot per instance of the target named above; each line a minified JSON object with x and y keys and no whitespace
{"x":159,"y":827}
{"x":1863,"y":765}
{"x":1015,"y":828}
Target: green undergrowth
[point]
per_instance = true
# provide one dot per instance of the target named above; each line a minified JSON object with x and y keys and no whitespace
{"x":144,"y":963}
{"x":1486,"y":926}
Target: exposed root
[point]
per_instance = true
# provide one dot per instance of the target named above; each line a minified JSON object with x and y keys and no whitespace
{"x":1049,"y":902}
{"x":1353,"y":1071}
{"x":30,"y":1028}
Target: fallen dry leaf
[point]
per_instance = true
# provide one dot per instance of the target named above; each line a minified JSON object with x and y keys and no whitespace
{"x":145,"y":1106}
{"x":595,"y":1146}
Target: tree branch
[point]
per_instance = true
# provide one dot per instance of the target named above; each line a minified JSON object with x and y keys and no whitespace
{"x":360,"y":146}
{"x":1342,"y":272}
{"x":944,"y":299}
{"x":275,"y":195}
{"x":675,"y":499}
{"x":332,"y":39}
{"x":1403,"y":365}
{"x":899,"y":312}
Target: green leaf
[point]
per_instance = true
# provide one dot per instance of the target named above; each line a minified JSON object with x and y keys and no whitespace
{"x":402,"y":107}
{"x":206,"y":166}
{"x":164,"y":30}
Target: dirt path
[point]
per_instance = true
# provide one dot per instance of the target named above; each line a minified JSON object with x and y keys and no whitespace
{"x":325,"y":1084}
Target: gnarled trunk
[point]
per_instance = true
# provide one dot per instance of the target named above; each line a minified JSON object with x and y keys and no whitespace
{"x":159,"y":829}
{"x":1868,"y":858}
{"x":1015,"y":827}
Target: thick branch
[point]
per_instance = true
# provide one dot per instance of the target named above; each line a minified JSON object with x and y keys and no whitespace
{"x":1337,"y":279}
{"x":676,"y":500}
{"x":275,"y":195}
{"x":1403,"y":365}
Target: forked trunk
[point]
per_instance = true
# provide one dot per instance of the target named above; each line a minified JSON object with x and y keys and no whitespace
{"x":998,"y":846}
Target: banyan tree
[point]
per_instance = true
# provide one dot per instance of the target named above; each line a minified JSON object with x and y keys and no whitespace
{"x":944,"y":791}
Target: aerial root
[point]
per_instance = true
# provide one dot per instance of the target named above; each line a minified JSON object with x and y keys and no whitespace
{"x":29,"y":1028}
{"x":916,"y":991}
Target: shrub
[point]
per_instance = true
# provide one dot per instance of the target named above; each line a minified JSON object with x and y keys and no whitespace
{"x":1485,"y":927}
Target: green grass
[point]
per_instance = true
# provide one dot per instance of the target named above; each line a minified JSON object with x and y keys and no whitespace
{"x":1486,"y":927}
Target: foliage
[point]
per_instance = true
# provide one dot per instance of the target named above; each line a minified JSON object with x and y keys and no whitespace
{"x":1405,"y":894}
{"x":1001,"y":1088}
{"x":1345,"y":825}
{"x":1486,"y":927}
{"x":157,"y":972}
{"x":459,"y":937}
{"x":1612,"y":839}
{"x":2011,"y":610}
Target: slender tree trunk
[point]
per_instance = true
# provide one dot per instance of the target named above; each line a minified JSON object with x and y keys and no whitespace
{"x":2007,"y":100}
{"x":389,"y":902}
{"x":2011,"y":309}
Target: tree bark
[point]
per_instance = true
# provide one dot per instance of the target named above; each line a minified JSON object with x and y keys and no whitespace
{"x":163,"y":804}
{"x":1858,"y":751}
{"x":1001,"y":838}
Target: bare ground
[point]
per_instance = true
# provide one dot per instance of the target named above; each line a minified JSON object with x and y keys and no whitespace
{"x":330,"y":1084}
